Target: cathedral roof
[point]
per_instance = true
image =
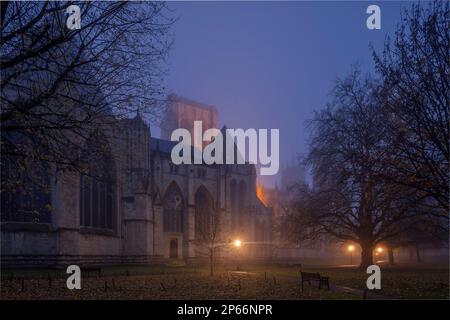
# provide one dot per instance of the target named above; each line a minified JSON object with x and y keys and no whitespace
{"x":163,"y":146}
{"x":166,"y":146}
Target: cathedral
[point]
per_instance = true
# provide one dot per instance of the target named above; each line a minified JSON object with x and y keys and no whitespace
{"x":133,"y":205}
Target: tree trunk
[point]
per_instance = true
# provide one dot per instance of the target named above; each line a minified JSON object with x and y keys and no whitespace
{"x":419,"y":259}
{"x":211,"y":263}
{"x":366,"y":256}
{"x":391,"y":256}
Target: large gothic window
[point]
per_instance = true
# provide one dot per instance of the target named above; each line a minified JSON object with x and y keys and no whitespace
{"x":204,"y":206}
{"x":25,"y":194}
{"x":234,"y":202}
{"x":242,"y":197}
{"x":242,"y":202}
{"x":173,"y":209}
{"x":98,"y":186}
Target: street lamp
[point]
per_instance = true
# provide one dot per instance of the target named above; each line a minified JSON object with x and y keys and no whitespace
{"x":350,"y":249}
{"x":237,"y":244}
{"x":378,"y":251}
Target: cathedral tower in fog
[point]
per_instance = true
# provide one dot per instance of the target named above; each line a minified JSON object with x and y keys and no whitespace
{"x":292,"y":174}
{"x":182,"y":112}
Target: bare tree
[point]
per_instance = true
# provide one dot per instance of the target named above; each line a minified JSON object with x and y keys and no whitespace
{"x":208,"y":240}
{"x":379,"y":151}
{"x":60,"y":85}
{"x":415,"y":71}
{"x":424,"y":231}
{"x":350,"y":200}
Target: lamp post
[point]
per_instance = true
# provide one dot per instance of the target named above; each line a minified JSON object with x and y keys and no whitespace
{"x":237,"y":244}
{"x":350,"y":249}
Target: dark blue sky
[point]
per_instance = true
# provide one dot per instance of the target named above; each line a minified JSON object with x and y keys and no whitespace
{"x":270,"y":64}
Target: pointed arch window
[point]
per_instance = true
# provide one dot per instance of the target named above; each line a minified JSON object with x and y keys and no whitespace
{"x":242,"y":197}
{"x":25,"y":194}
{"x":234,"y":205}
{"x":204,"y":207}
{"x":173,"y":209}
{"x":98,"y":185}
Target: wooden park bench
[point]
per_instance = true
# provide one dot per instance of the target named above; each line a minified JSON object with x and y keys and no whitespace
{"x":308,"y":276}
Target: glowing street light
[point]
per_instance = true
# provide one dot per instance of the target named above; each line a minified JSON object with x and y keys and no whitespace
{"x":350,"y":249}
{"x":237,"y":243}
{"x":379,"y":249}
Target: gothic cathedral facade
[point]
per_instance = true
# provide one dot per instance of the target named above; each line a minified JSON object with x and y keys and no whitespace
{"x":135,"y":206}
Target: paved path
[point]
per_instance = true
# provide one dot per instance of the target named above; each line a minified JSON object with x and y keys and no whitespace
{"x":371,"y":295}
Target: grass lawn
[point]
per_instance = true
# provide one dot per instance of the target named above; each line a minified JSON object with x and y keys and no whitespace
{"x":253,"y":281}
{"x":427,"y":281}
